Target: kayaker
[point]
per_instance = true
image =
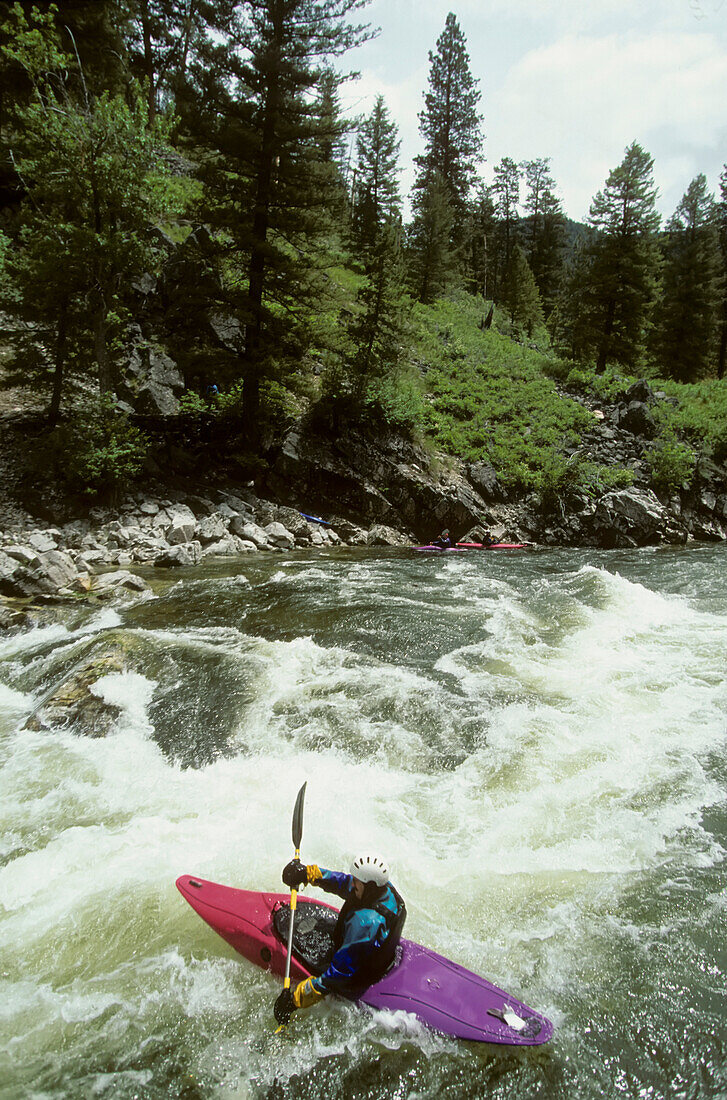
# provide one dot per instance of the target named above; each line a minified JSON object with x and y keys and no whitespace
{"x":442,"y":540}
{"x":365,"y":937}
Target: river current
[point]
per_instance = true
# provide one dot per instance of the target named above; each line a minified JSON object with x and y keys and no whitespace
{"x":536,"y":740}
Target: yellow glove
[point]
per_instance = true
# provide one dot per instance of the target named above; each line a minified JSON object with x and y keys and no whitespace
{"x":313,"y":872}
{"x":305,"y":994}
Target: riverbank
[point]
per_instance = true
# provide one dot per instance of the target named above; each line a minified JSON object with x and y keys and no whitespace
{"x":322,"y":489}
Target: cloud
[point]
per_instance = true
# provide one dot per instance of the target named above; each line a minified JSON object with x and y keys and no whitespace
{"x":583,"y":99}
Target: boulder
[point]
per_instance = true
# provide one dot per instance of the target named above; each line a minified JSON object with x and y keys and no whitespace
{"x":119,"y":582}
{"x":42,"y":541}
{"x":279,"y":536}
{"x":22,"y":554}
{"x":250,"y":532}
{"x":630,"y":517}
{"x":211,"y":529}
{"x":182,"y":525}
{"x":223,"y":547}
{"x":176,"y":556}
{"x":54,"y":569}
{"x":150,"y":380}
{"x":72,"y":703}
{"x":381,"y":535}
{"x":484,"y":478}
{"x":637,"y":418}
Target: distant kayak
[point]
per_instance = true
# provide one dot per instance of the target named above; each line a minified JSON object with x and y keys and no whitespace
{"x":491,"y":546}
{"x":464,"y":546}
{"x":442,"y":994}
{"x":315,"y":519}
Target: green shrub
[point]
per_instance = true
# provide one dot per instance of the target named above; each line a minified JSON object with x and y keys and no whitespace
{"x":671,"y":464}
{"x":192,"y":404}
{"x":97,"y":451}
{"x":489,"y":398}
{"x":699,"y":415}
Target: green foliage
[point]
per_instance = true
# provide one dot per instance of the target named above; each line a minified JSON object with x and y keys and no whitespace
{"x":611,"y":286}
{"x":687,"y":316}
{"x":671,"y":463}
{"x":560,"y":476}
{"x":193,"y":404}
{"x":488,"y":399}
{"x":450,"y":124}
{"x":98,"y":451}
{"x":520,"y":296}
{"x":699,"y":416}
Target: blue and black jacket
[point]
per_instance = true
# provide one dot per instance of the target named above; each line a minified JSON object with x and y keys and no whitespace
{"x":366,"y":934}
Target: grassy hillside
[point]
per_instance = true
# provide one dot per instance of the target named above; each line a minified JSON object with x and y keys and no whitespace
{"x":491,"y":399}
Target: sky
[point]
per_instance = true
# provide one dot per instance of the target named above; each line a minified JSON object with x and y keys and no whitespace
{"x":573,"y":80}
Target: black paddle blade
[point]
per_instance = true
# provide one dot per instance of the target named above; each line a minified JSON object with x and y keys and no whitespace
{"x":298,"y":817}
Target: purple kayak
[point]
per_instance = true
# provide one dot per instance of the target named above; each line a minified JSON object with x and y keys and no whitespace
{"x":440,"y":549}
{"x":440,"y":993}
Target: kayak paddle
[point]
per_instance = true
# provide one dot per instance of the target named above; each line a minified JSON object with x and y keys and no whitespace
{"x":297,"y":837}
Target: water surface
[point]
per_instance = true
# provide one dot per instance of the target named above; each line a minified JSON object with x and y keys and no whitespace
{"x":535,"y":740}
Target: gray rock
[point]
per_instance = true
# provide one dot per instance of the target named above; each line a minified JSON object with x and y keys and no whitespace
{"x":9,"y":566}
{"x":182,"y":525}
{"x":56,"y":567}
{"x":484,"y":478}
{"x":637,"y":418}
{"x":149,"y":508}
{"x":223,"y":547}
{"x":381,"y":535}
{"x":211,"y":529}
{"x":22,"y":554}
{"x":280,"y":536}
{"x":175,"y":556}
{"x":107,"y":584}
{"x":42,"y":541}
{"x":632,"y":516}
{"x":250,"y":532}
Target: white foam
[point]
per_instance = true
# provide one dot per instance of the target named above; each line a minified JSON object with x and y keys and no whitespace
{"x":578,"y":728}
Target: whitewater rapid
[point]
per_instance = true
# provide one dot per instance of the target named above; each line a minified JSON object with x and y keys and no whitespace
{"x":536,"y":743}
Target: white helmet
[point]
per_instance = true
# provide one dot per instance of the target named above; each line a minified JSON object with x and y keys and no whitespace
{"x":370,"y":869}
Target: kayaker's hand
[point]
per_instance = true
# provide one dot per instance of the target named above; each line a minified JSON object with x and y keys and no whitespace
{"x":295,"y":873}
{"x":284,"y":1006}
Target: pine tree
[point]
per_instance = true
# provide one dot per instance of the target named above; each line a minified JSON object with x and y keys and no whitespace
{"x":520,"y":295}
{"x":163,"y":38}
{"x":545,"y":225}
{"x":623,"y":261}
{"x":479,"y":243}
{"x":377,"y":331}
{"x":722,"y":227}
{"x":685,"y":336}
{"x":431,"y":255}
{"x":92,"y":188}
{"x":505,"y":191}
{"x":449,"y":123}
{"x":376,"y":190}
{"x":267,"y":185}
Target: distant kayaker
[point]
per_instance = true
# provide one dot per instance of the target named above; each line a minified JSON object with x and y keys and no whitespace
{"x":442,"y":540}
{"x":365,"y":937}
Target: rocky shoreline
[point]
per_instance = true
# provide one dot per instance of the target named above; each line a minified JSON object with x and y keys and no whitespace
{"x":94,"y":556}
{"x":387,"y":491}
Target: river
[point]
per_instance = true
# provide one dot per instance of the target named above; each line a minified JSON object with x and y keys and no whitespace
{"x":536,"y":741}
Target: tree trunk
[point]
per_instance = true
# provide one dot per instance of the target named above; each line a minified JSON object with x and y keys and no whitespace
{"x":260,"y":225}
{"x":604,"y":349}
{"x":103,"y":363}
{"x":148,"y":60}
{"x":58,"y":367}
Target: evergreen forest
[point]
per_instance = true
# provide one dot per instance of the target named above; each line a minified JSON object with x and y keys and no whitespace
{"x":200,"y":147}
